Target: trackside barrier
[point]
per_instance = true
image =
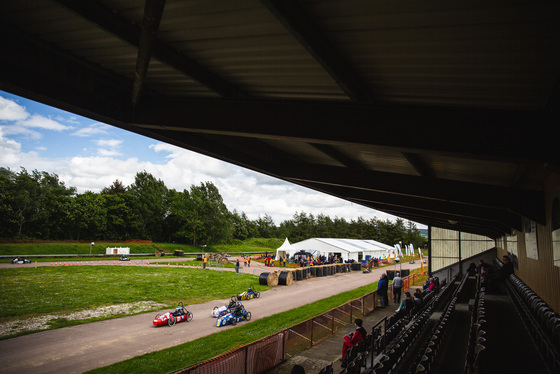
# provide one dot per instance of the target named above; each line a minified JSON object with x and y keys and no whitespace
{"x":270,"y":351}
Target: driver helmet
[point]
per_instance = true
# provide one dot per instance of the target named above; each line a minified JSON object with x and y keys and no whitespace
{"x":178,"y":309}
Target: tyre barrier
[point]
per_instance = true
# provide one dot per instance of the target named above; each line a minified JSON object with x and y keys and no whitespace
{"x":286,"y":278}
{"x":356,"y":266}
{"x":313,"y":271}
{"x":268,"y":279}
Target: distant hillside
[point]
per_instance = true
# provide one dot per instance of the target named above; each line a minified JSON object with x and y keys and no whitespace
{"x":424,"y":233}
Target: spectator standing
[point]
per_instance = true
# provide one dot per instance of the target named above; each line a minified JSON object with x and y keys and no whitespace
{"x":382,"y":287}
{"x":237,"y":266}
{"x":397,"y":288}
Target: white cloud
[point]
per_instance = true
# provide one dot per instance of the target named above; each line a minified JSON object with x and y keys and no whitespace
{"x":14,"y":129}
{"x":38,"y":121}
{"x":112,"y":143}
{"x":91,"y":130}
{"x":108,"y":152}
{"x":108,"y":147}
{"x":11,"y":111}
{"x":12,"y":157}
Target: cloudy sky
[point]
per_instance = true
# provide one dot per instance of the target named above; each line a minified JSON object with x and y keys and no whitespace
{"x":90,"y":155}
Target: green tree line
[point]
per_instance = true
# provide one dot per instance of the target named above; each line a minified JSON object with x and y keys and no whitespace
{"x":37,"y":205}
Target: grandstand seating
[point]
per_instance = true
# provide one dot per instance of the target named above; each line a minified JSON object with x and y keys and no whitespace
{"x":417,"y":343}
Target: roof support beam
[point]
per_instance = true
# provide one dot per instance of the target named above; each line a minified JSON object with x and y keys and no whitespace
{"x":451,"y":210}
{"x":526,"y":203}
{"x":472,"y":227}
{"x":150,"y":24}
{"x":302,"y":27}
{"x":475,"y":133}
{"x":343,"y":159}
{"x":419,"y":164}
{"x":122,"y":28}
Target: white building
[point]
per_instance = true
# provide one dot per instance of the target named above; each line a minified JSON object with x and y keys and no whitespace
{"x":348,"y":249}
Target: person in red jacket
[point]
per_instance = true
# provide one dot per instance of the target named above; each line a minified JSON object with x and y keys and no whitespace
{"x":353,"y":338}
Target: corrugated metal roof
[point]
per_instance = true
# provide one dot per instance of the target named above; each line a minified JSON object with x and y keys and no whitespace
{"x":434,"y":112}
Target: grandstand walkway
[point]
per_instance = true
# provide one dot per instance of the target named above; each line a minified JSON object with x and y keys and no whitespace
{"x":509,"y":347}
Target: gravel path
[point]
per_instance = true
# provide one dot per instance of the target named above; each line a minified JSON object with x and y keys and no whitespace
{"x":81,"y":348}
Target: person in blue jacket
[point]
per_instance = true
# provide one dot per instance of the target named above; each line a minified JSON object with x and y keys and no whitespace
{"x":382,"y":287}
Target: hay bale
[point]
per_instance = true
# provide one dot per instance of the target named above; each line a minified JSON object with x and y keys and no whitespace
{"x":286,"y":278}
{"x":269,"y":279}
{"x":223,"y":260}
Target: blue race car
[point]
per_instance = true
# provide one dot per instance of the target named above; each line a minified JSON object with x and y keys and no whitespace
{"x":238,"y":314}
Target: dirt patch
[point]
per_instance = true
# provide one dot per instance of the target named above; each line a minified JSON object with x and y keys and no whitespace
{"x":43,"y":322}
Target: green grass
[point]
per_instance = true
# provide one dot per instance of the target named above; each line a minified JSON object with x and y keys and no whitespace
{"x":251,"y":245}
{"x":202,"y":349}
{"x":27,"y":291}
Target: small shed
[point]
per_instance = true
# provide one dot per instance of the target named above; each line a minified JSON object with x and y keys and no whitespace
{"x":117,"y":251}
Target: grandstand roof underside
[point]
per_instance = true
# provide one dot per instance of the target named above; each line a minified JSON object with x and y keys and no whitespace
{"x":441,"y":113}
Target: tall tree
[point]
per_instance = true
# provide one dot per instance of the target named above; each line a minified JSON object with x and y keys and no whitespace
{"x":184,"y":217}
{"x":150,"y":203}
{"x":24,"y":196}
{"x":122,"y":221}
{"x":116,"y":188}
{"x":55,"y":201}
{"x":215,"y":217}
{"x":8,"y":221}
{"x":266,"y":227}
{"x":88,"y":216}
{"x":240,"y":229}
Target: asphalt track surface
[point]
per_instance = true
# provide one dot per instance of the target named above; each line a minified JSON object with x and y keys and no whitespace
{"x":85,"y":347}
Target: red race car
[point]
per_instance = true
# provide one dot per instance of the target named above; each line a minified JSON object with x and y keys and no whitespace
{"x":180,"y":314}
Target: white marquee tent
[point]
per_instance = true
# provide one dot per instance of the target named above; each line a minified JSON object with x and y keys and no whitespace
{"x":348,"y":249}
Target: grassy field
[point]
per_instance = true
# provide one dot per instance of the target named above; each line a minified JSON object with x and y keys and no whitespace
{"x":28,"y":293}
